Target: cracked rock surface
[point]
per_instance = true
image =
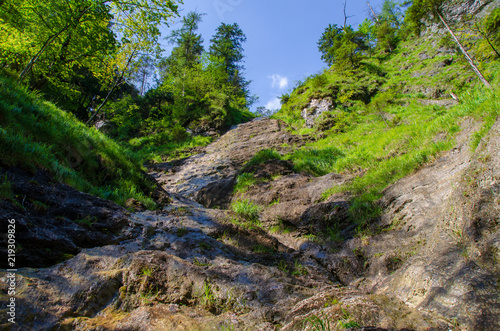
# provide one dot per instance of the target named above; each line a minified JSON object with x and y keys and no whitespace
{"x":431,"y":265}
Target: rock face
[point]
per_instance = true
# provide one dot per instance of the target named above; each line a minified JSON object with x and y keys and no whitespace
{"x":314,"y":110}
{"x":208,"y":178}
{"x":55,"y":221}
{"x":446,"y":236}
{"x":431,"y":262}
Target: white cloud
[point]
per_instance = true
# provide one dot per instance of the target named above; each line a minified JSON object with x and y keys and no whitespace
{"x":279,"y":81}
{"x":273,"y":104}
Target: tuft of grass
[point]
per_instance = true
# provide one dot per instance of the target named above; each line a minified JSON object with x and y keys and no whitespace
{"x":181,"y":231}
{"x":162,"y":147}
{"x":6,"y":192}
{"x":244,"y":182}
{"x":316,"y":161}
{"x":316,"y":323}
{"x":299,"y":269}
{"x":261,"y":249}
{"x":87,"y":222}
{"x":147,"y":271}
{"x":247,"y":209}
{"x":263,"y":156}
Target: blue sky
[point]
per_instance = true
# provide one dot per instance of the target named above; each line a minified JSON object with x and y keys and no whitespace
{"x":282,"y":37}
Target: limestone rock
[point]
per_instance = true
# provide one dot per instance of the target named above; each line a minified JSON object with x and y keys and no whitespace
{"x":315,"y":108}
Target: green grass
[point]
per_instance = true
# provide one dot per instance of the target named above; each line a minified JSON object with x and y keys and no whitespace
{"x":389,"y":134}
{"x":36,"y":134}
{"x":247,"y":209}
{"x":244,"y":182}
{"x":261,"y":249}
{"x":263,"y":156}
{"x":162,"y":147}
{"x":6,"y":192}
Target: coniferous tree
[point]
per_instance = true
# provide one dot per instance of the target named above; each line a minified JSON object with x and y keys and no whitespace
{"x":342,"y":46}
{"x":227,"y":44}
{"x":188,"y":46}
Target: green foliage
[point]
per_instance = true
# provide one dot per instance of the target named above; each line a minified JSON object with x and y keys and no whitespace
{"x":6,"y":192}
{"x":36,"y":134}
{"x":316,"y":161}
{"x":317,"y":323}
{"x":385,"y":133}
{"x":244,"y":182}
{"x":247,"y":209}
{"x":299,"y":269}
{"x":422,"y":12}
{"x":263,"y":156}
{"x":227,"y":44}
{"x":88,"y":222}
{"x":261,"y":249}
{"x":342,"y":46}
{"x":76,"y":56}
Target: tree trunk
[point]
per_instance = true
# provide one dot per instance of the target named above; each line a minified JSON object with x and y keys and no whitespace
{"x":464,"y":52}
{"x":373,"y":12}
{"x":116,"y":83}
{"x":491,"y":45}
{"x":35,"y":58}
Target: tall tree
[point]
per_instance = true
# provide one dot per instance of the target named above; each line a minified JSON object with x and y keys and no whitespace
{"x":227,"y":44}
{"x":342,"y":46}
{"x":188,"y":47}
{"x":432,"y":11}
{"x":51,"y":41}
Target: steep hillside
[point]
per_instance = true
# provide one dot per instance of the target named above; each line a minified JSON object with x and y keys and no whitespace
{"x":383,"y":120}
{"x":36,"y":134}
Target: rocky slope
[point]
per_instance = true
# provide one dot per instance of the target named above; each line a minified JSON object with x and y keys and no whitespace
{"x":431,"y":265}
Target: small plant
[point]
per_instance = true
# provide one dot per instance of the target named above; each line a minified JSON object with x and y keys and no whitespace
{"x":147,"y":271}
{"x":299,"y":269}
{"x":317,"y":323}
{"x":393,"y":263}
{"x":181,"y":231}
{"x":147,"y":298}
{"x":204,"y":246}
{"x":246,"y":209}
{"x":282,"y":265}
{"x":88,"y":221}
{"x":198,"y":263}
{"x":334,"y":234}
{"x":347,"y":320}
{"x":275,"y":202}
{"x":261,"y":249}
{"x":208,"y":299}
{"x":348,"y":325}
{"x":244,"y":182}
{"x":311,"y":237}
{"x":263,"y":156}
{"x":6,"y":192}
{"x":332,"y":302}
{"x":229,"y":327}
{"x":39,"y":206}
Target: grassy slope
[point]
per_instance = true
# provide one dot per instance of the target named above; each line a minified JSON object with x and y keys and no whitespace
{"x":381,"y":131}
{"x":36,"y":134}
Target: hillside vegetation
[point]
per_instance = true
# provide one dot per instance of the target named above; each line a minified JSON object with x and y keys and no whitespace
{"x":391,"y":112}
{"x":35,"y":134}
